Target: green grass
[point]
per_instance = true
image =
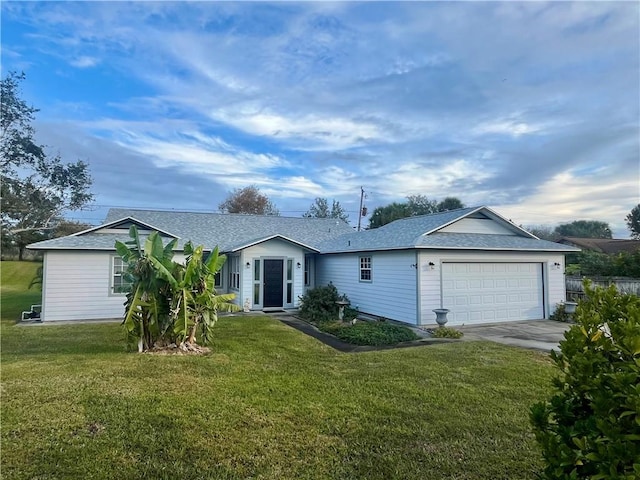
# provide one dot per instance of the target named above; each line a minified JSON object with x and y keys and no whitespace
{"x":16,"y":296}
{"x":268,"y":403}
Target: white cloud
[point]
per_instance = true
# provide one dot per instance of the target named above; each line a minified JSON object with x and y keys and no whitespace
{"x":566,"y":197}
{"x":308,"y":132}
{"x":84,"y":62}
{"x":512,"y":128}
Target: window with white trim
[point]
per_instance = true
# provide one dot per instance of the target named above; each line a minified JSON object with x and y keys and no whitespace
{"x":234,"y":272}
{"x":119,"y":282}
{"x":365,"y":269}
{"x":307,"y":271}
{"x":290,"y":280}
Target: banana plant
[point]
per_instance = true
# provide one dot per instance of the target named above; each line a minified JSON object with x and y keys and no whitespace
{"x":147,"y":306}
{"x":195,"y":303}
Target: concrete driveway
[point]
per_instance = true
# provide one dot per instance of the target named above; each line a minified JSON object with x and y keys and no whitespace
{"x":535,"y":334}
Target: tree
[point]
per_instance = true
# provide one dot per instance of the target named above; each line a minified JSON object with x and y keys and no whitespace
{"x":584,"y":229}
{"x":36,"y":189}
{"x":387,"y":214}
{"x":248,"y":200}
{"x":415,"y":205}
{"x":68,"y":227}
{"x":449,"y":203}
{"x":320,"y":209}
{"x":633,"y":222}
{"x":542,"y":231}
{"x":421,"y":205}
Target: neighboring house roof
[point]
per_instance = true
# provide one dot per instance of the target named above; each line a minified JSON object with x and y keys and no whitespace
{"x":230,"y":232}
{"x":602,"y":245}
{"x":233,"y":232}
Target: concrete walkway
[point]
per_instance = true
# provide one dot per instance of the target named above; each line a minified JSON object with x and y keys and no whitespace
{"x":536,"y":334}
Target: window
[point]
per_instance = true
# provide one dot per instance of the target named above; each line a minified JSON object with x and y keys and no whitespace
{"x":256,"y":282}
{"x":234,"y":273}
{"x":289,"y":280}
{"x":365,"y":269}
{"x":218,"y":279}
{"x":119,"y":282}
{"x":307,"y":271}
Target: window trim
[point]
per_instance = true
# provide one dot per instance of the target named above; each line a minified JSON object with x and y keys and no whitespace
{"x":218,"y":282}
{"x":307,"y":270}
{"x":365,"y":264}
{"x":234,"y":272}
{"x":117,"y":260}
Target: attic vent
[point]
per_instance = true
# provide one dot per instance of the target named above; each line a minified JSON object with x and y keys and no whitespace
{"x":349,"y":243}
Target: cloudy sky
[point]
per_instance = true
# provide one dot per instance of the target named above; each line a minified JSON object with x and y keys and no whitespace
{"x":530,"y":108}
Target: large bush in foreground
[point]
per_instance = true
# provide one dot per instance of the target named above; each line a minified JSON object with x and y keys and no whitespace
{"x":590,"y":427}
{"x":170,"y":302}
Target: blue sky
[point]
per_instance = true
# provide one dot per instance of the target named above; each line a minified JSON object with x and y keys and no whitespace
{"x":530,"y":108}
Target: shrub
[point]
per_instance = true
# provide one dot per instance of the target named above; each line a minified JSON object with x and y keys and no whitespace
{"x":445,"y":332}
{"x":369,"y":333}
{"x":319,"y":304}
{"x":590,"y":427}
{"x":560,"y":315}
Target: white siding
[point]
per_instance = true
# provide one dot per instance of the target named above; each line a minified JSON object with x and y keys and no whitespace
{"x":430,"y":277}
{"x":271,"y":249}
{"x":392,"y":293}
{"x":477,"y":225}
{"x":77,"y":286}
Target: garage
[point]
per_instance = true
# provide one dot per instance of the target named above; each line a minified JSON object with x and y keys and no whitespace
{"x":492,"y":292}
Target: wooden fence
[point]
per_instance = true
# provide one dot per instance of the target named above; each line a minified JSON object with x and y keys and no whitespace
{"x":623,"y":284}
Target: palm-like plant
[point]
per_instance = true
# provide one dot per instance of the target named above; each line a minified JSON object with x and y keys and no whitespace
{"x":195,"y":302}
{"x":169,"y":301}
{"x":147,"y":307}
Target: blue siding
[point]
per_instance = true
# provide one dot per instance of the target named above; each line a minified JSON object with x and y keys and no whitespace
{"x":392,"y":292}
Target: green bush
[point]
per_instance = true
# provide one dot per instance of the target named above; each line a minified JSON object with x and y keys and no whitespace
{"x":590,"y":427}
{"x":319,"y":304}
{"x":560,"y":315}
{"x":369,"y":333}
{"x":445,"y":332}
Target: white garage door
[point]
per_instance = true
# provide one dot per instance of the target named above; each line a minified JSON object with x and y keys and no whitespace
{"x":492,"y":292}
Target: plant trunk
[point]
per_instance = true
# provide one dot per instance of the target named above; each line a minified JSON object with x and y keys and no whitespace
{"x":192,"y":334}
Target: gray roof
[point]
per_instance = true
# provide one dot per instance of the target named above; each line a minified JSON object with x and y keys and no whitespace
{"x":227,"y":231}
{"x":233,"y":232}
{"x":422,"y":232}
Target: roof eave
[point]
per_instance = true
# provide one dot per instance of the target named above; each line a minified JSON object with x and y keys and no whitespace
{"x":432,"y":247}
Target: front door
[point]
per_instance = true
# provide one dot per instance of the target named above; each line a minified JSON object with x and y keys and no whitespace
{"x":273,"y":279}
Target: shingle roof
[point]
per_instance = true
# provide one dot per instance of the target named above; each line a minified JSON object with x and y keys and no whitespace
{"x":228,"y":231}
{"x":422,"y":232}
{"x":232,"y":232}
{"x":603,"y":245}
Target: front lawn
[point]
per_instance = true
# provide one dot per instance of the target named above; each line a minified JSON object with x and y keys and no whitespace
{"x":269,"y":403}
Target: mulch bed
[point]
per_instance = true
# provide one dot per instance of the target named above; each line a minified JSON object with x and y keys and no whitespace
{"x":182,"y":349}
{"x":345,"y":347}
